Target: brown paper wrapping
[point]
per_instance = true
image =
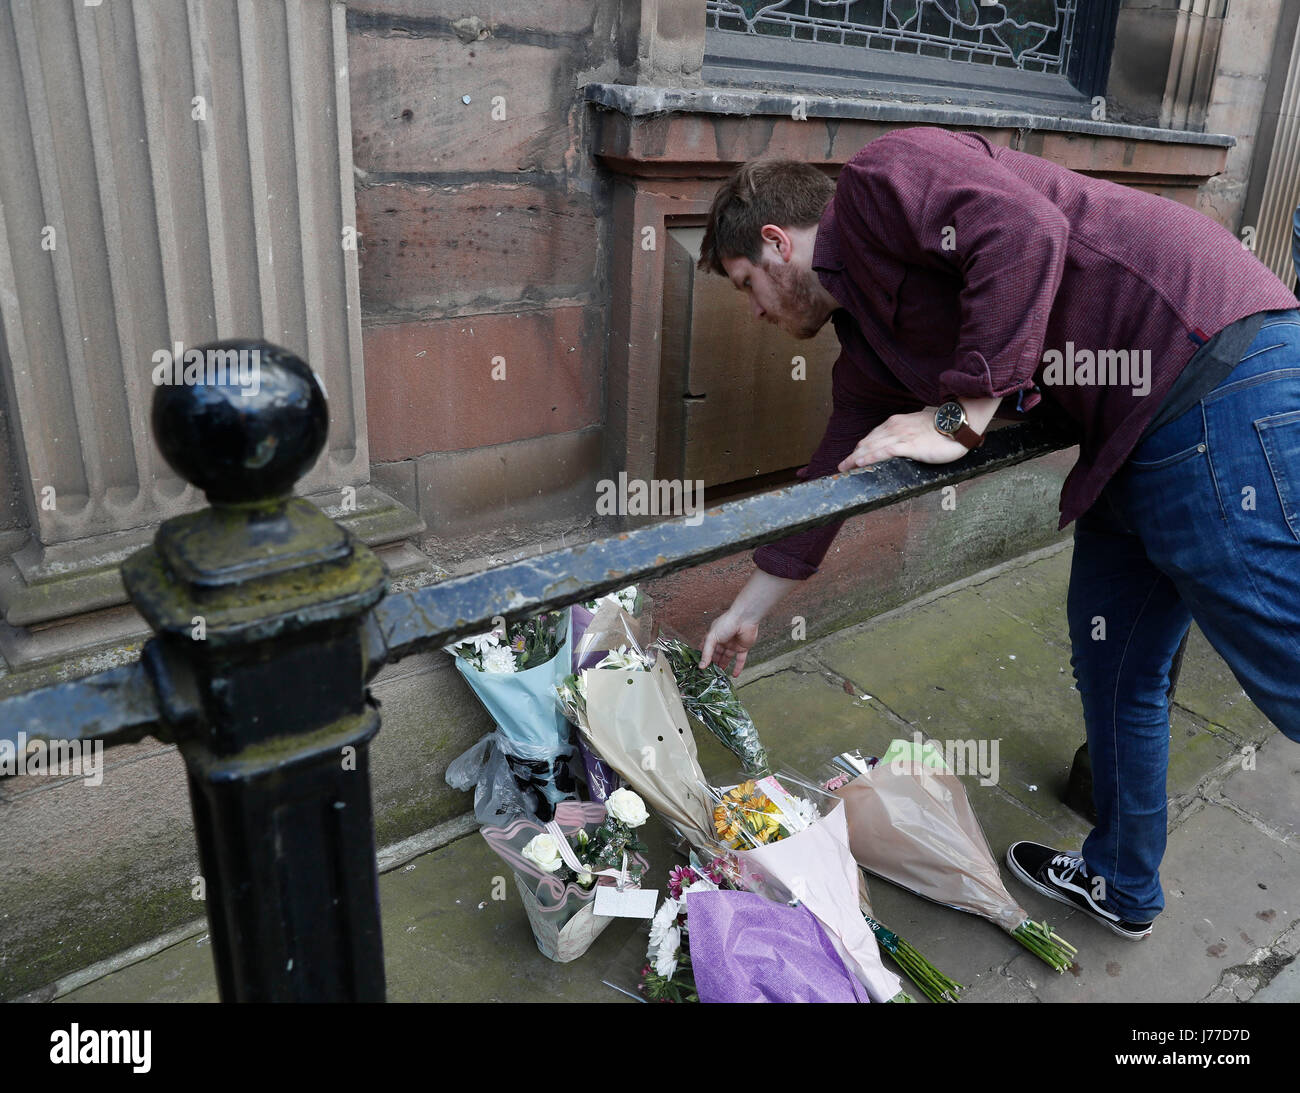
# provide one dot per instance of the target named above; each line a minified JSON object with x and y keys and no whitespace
{"x":636,"y":723}
{"x":918,"y":830}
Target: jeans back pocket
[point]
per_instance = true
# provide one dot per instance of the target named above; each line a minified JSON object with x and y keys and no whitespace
{"x":1279,"y":435}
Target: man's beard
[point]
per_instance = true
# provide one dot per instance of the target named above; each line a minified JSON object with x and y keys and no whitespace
{"x":798,"y":300}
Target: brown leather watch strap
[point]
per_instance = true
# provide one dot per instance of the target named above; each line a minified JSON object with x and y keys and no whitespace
{"x":968,"y":436}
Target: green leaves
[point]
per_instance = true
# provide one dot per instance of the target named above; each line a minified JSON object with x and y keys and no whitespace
{"x":708,"y":697}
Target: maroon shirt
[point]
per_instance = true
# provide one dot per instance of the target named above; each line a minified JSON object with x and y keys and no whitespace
{"x":1038,"y":256}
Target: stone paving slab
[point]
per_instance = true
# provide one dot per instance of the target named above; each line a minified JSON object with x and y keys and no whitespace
{"x":955,"y":670}
{"x":1268,"y":787}
{"x":1230,"y":892}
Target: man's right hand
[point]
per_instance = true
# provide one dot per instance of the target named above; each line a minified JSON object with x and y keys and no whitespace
{"x":729,"y":636}
{"x":735,"y":631}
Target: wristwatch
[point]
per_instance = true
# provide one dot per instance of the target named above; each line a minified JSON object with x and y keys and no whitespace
{"x":950,"y":419}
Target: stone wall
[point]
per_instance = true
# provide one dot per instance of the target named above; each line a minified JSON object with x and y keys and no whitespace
{"x":482,"y":286}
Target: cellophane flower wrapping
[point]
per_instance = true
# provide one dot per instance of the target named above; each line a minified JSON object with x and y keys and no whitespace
{"x":636,"y":723}
{"x":632,"y":718}
{"x":561,"y":913}
{"x":708,"y":696}
{"x":535,"y":736}
{"x":599,"y":627}
{"x":800,"y":851}
{"x":909,"y":820}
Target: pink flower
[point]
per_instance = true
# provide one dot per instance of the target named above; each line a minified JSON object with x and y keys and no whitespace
{"x":717,"y":870}
{"x":680,"y":877}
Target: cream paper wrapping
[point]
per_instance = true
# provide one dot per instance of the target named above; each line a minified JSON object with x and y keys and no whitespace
{"x":816,"y":866}
{"x":637,"y":724}
{"x":916,"y":828}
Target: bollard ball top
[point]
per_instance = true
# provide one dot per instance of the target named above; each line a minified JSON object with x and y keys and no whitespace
{"x":242,"y":420}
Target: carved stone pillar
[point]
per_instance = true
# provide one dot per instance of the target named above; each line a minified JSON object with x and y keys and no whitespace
{"x":169,"y":172}
{"x":1192,"y":64}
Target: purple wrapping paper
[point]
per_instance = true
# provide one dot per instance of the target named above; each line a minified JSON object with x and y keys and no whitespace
{"x":602,"y":779}
{"x":580,"y":619}
{"x":745,"y":948}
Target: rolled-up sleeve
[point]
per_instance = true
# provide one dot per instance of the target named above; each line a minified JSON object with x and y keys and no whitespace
{"x":859,"y":404}
{"x":939,"y":199}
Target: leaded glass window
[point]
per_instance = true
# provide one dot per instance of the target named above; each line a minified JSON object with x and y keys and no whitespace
{"x":1030,"y":35}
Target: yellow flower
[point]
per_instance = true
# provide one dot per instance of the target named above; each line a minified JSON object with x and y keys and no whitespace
{"x":746,"y":809}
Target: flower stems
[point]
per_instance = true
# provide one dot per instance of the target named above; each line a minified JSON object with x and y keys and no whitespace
{"x":933,"y":983}
{"x":1050,"y":947}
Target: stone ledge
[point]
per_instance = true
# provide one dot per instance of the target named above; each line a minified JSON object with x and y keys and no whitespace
{"x":638,"y":102}
{"x":41,"y":585}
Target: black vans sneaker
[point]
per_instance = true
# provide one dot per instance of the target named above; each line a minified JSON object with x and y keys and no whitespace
{"x":1065,"y":878}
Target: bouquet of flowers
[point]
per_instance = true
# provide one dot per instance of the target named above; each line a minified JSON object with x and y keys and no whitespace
{"x":712,"y":943}
{"x":572,"y":692}
{"x":613,"y":622}
{"x":909,"y":821}
{"x":668,"y":975}
{"x":708,"y":697}
{"x":514,"y":672}
{"x":558,"y":866}
{"x":789,"y":839}
{"x":630,"y":714}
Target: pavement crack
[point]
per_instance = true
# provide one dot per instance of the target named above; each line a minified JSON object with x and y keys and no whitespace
{"x":850,"y":686}
{"x":1216,"y":797}
{"x":1242,"y":981}
{"x":1050,"y":637}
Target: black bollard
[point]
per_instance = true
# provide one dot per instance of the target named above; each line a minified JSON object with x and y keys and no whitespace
{"x":259,"y":664}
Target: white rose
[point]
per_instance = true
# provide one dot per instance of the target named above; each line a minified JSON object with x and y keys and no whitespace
{"x":543,"y":852}
{"x":586,"y":880}
{"x":626,"y":807}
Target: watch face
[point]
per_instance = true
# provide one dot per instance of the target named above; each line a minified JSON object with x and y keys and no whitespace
{"x":948,"y":417}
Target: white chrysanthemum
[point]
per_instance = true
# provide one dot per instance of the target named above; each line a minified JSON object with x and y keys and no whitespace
{"x":498,"y":659}
{"x":660,"y":924}
{"x":624,"y":597}
{"x":806,"y":811}
{"x":666,"y":958}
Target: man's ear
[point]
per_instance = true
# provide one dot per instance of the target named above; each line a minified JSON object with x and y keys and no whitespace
{"x":774,"y":233}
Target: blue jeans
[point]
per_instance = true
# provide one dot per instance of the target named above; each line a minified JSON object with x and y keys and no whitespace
{"x":1201,"y":523}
